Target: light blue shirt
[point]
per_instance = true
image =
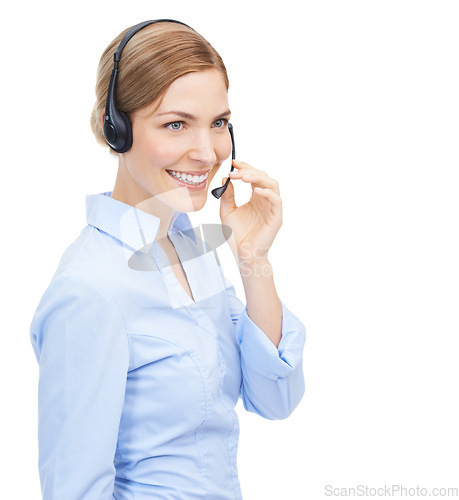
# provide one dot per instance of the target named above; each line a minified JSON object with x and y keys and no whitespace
{"x":138,"y":382}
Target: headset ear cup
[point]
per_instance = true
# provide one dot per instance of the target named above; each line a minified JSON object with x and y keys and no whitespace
{"x":118,"y":130}
{"x":125,"y":136}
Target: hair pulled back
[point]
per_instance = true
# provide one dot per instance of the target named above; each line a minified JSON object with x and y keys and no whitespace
{"x":153,"y":58}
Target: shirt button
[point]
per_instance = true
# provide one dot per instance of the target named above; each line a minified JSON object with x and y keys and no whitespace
{"x":234,"y":470}
{"x":222,"y":365}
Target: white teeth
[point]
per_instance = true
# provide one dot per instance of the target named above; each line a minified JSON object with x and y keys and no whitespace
{"x":189,"y":178}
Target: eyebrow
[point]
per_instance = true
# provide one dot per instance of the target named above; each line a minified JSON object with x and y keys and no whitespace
{"x":189,"y":116}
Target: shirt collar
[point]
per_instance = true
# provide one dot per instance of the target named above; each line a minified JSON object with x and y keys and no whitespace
{"x":132,"y":226}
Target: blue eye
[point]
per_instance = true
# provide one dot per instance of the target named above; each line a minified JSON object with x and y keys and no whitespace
{"x":175,"y":126}
{"x":223,"y":122}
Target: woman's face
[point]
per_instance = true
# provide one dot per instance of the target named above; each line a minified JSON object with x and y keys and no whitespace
{"x":187,"y":134}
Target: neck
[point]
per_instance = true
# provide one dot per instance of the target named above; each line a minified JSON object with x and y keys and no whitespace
{"x":130,"y":193}
{"x":164,"y":212}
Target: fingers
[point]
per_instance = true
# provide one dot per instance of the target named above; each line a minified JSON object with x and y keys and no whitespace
{"x":273,"y":198}
{"x":258,"y":178}
{"x":245,"y":167}
{"x":263,"y":186}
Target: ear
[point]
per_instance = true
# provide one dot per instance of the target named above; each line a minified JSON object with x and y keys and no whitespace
{"x":102,"y":116}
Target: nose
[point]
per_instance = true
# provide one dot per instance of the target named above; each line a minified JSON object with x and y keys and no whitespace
{"x":203,"y":148}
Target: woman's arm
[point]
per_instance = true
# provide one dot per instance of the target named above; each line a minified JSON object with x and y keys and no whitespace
{"x":272,"y":377}
{"x":79,"y":340}
{"x":271,"y":338}
{"x":263,"y":305}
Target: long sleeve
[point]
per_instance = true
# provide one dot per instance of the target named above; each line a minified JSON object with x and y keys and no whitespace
{"x":272,"y":378}
{"x":79,"y":339}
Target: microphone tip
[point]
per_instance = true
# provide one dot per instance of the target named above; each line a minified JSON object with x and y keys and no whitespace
{"x":217,"y":192}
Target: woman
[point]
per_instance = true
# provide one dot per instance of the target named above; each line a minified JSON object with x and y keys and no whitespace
{"x":143,"y":346}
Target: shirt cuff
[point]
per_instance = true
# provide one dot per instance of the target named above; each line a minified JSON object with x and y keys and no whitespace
{"x":261,"y":355}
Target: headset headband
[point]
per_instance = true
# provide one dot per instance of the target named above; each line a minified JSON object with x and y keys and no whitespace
{"x":135,"y":29}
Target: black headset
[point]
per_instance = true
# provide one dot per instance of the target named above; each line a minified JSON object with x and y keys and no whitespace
{"x":117,"y":125}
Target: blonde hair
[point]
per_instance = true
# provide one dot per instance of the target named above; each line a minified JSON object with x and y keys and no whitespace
{"x":153,"y":58}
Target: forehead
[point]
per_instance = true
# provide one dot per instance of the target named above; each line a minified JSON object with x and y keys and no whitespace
{"x":194,"y":90}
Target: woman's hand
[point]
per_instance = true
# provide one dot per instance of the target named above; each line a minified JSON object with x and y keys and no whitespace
{"x":255,"y":224}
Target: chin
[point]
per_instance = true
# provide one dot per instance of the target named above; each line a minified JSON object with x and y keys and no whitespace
{"x":181,"y":200}
{"x":195,"y":205}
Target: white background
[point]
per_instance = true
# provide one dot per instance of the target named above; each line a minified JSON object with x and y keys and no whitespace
{"x":353,"y":107}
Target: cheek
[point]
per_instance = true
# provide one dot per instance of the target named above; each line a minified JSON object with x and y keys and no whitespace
{"x":162,"y":155}
{"x":152,"y":149}
{"x":224,"y":149}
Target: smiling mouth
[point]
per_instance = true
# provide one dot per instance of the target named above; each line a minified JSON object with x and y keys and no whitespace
{"x":191,"y":179}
